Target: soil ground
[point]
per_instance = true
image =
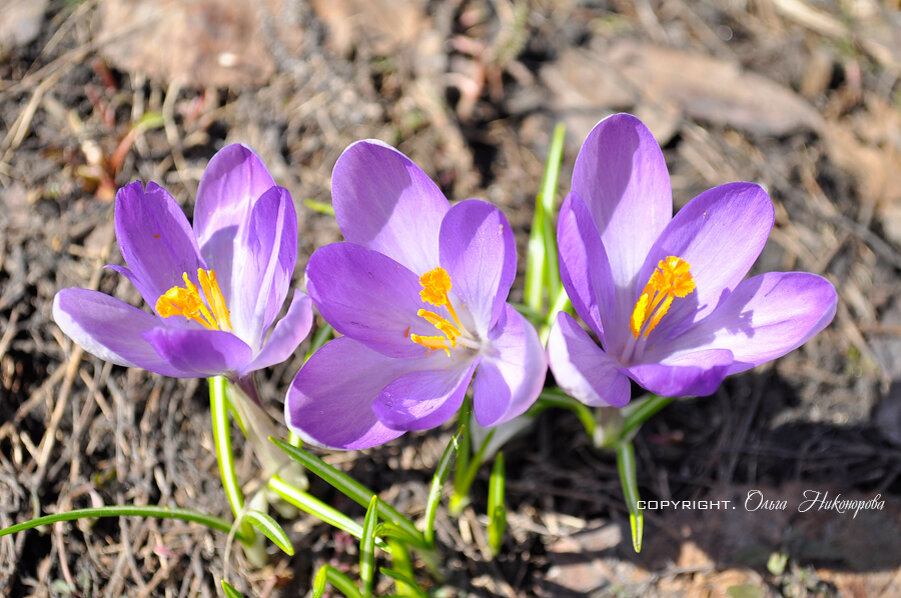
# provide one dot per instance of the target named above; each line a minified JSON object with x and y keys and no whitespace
{"x":800,"y":96}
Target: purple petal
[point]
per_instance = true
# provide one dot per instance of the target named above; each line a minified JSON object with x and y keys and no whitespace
{"x":368,"y":297}
{"x":621,"y":176}
{"x":231,"y":183}
{"x":287,"y":335}
{"x":204,"y":352}
{"x":585,"y":270}
{"x":329,"y":402}
{"x":264,"y":264}
{"x":385,"y":202}
{"x":719,"y":233}
{"x":424,"y":398}
{"x":512,"y":371}
{"x":764,"y":318}
{"x":696,"y":373}
{"x":584,"y":370}
{"x":477,"y":249}
{"x":112,"y":330}
{"x":155,"y":239}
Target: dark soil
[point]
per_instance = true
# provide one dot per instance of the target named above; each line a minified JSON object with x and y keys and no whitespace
{"x":798,"y":96}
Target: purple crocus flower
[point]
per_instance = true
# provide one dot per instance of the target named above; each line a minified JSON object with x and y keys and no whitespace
{"x":665,"y":295}
{"x":216,"y":291}
{"x":418,"y":290}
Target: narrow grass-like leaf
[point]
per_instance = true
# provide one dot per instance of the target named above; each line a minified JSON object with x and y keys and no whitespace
{"x":460,"y":497}
{"x":230,"y":591}
{"x":554,"y":397}
{"x":401,"y":563}
{"x":209,"y":521}
{"x":549,"y":181}
{"x":541,"y":264}
{"x":559,"y":303}
{"x":407,"y":581}
{"x":224,"y":456}
{"x":625,"y":462}
{"x":271,"y":529}
{"x":497,"y":512}
{"x":345,"y":484}
{"x":328,"y":574}
{"x":320,"y":338}
{"x":638,"y":412}
{"x":389,"y":530}
{"x":310,"y":504}
{"x":367,"y":547}
{"x":319,"y":206}
{"x":442,"y":471}
{"x":464,"y":442}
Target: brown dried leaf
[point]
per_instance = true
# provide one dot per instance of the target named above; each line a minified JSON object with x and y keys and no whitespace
{"x":21,"y":22}
{"x":203,"y":43}
{"x":383,"y":26}
{"x":713,"y":90}
{"x":582,"y":86}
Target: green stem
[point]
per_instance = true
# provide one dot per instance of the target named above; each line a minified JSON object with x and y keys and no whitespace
{"x":441,"y":473}
{"x":460,"y":498}
{"x":554,"y":397}
{"x":638,"y":412}
{"x":209,"y":521}
{"x":625,"y":462}
{"x":224,"y":454}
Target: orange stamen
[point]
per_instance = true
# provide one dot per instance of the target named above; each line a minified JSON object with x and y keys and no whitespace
{"x":186,"y":301}
{"x":671,"y":279}
{"x":435,"y":285}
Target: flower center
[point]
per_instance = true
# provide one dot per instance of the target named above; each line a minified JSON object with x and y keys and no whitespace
{"x":671,"y":279}
{"x":435,"y":285}
{"x":186,"y":301}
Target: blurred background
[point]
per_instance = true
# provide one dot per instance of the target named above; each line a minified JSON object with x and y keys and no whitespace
{"x":800,"y":96}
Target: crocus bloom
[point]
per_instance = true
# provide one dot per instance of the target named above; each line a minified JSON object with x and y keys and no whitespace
{"x":215,"y":291}
{"x":418,"y":290}
{"x":665,"y":295}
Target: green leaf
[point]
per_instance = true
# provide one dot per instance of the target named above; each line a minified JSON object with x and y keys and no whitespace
{"x":271,"y":529}
{"x":328,"y":574}
{"x":442,"y":471}
{"x":625,"y":462}
{"x":497,"y":512}
{"x":230,"y":591}
{"x":460,"y":497}
{"x":554,"y":397}
{"x":149,"y":120}
{"x":320,"y":338}
{"x":345,"y":484}
{"x":745,"y":590}
{"x":403,"y":566}
{"x":549,"y":182}
{"x":209,"y":521}
{"x":367,"y":547}
{"x":541,"y":262}
{"x":319,"y":206}
{"x":312,"y":505}
{"x":387,"y":529}
{"x":406,"y":580}
{"x":560,"y":303}
{"x":638,"y":412}
{"x":463,"y":442}
{"x":776,"y":563}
